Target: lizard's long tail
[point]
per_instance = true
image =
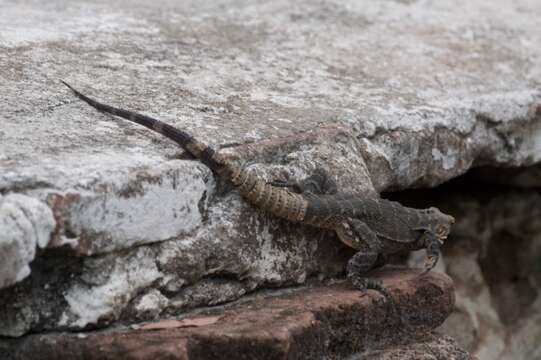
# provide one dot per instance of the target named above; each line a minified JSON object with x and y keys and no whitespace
{"x":275,"y":200}
{"x":196,"y":148}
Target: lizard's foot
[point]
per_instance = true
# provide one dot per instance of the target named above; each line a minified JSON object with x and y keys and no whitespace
{"x":363,"y":284}
{"x":430,"y":262}
{"x":393,"y":311}
{"x":360,"y":263}
{"x":318,"y":183}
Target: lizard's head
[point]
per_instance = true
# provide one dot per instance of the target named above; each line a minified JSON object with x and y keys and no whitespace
{"x":439,"y":227}
{"x":440,"y":223}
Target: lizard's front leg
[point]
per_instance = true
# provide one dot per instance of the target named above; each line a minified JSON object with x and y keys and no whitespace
{"x":318,"y":183}
{"x":433,"y":245}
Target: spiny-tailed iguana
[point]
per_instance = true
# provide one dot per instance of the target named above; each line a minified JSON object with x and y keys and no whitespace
{"x":373,"y":226}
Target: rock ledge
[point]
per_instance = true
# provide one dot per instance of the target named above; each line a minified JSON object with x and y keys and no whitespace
{"x":334,"y":321}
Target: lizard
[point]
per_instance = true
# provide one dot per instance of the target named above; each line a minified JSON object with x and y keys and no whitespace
{"x":373,"y":226}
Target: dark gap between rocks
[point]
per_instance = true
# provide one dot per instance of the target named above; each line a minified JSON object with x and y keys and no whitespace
{"x":495,"y":245}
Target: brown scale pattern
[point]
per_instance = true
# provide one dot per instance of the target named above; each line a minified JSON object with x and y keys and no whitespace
{"x":277,"y":201}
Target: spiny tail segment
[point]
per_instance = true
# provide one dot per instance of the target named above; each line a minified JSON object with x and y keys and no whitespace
{"x":186,"y":141}
{"x":277,"y":201}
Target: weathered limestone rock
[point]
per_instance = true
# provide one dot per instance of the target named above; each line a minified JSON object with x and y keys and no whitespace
{"x":310,"y":323}
{"x":386,"y":95}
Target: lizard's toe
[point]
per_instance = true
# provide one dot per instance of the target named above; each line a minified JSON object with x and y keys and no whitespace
{"x":359,"y":283}
{"x":430,"y":262}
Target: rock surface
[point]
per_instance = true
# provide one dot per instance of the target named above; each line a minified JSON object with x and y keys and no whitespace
{"x":426,"y":346}
{"x":310,"y":323}
{"x":386,"y":95}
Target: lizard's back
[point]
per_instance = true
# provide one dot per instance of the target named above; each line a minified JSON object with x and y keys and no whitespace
{"x":388,"y":219}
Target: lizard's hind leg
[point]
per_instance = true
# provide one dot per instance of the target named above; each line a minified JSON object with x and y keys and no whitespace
{"x":361,"y":263}
{"x":318,"y":183}
{"x":363,"y":238}
{"x":366,"y":259}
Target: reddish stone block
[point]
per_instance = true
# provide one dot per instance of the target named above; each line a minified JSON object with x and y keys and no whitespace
{"x":333,"y":321}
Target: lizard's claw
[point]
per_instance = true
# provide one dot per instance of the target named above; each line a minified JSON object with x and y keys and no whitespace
{"x":364,"y":284}
{"x":432,"y":253}
{"x":430,"y":262}
{"x":359,"y":283}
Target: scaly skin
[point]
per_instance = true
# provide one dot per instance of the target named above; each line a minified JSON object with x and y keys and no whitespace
{"x":375,"y":227}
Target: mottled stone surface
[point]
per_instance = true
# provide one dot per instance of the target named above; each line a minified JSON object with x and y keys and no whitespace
{"x":385,"y":95}
{"x":311,"y":323}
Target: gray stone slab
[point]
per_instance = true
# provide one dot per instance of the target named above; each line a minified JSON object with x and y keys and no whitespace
{"x":387,"y":95}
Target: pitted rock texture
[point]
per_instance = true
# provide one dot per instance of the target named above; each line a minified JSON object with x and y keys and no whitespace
{"x":310,"y":323}
{"x":385,"y":95}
